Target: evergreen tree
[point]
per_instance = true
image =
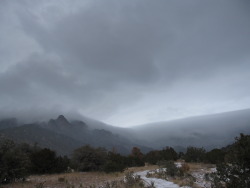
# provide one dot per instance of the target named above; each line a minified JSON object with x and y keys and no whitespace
{"x":169,"y":154}
{"x":14,"y":163}
{"x":87,"y":158}
{"x":194,"y":154}
{"x":136,"y":158}
{"x":153,"y":157}
{"x":115,"y":162}
{"x":215,"y":156}
{"x":237,"y":172}
{"x":45,"y":161}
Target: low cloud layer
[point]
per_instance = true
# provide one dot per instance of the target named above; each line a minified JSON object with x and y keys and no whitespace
{"x":124,"y":62}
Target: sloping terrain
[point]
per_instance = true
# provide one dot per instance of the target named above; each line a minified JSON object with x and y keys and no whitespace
{"x":64,"y":136}
{"x":8,"y":123}
{"x":34,"y":134}
{"x":209,"y":131}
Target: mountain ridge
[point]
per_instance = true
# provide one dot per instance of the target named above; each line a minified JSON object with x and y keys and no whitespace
{"x":208,"y":131}
{"x":247,"y":110}
{"x":68,"y":135}
{"x":214,"y":130}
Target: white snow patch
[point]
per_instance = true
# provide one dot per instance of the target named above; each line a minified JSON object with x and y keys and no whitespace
{"x":158,"y":183}
{"x":159,"y":170}
{"x":178,"y":164}
{"x":200,"y":177}
{"x":213,"y":169}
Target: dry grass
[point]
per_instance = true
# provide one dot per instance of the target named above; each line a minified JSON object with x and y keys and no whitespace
{"x":199,"y":166}
{"x":87,"y":179}
{"x":75,"y":179}
{"x":147,"y":167}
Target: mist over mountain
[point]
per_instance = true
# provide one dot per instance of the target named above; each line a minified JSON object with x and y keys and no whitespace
{"x":33,"y":134}
{"x":8,"y":123}
{"x":209,"y":131}
{"x":63,"y":135}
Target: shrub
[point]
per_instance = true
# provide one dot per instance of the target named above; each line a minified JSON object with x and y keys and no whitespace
{"x":215,"y":156}
{"x":169,"y":154}
{"x":14,"y":163}
{"x":194,"y":154}
{"x":153,"y":157}
{"x":62,"y":164}
{"x":115,"y":163}
{"x":87,"y":158}
{"x":237,"y":173}
{"x":136,"y":158}
{"x":45,"y":161}
{"x":131,"y":179}
{"x":171,"y":168}
{"x":185,"y":167}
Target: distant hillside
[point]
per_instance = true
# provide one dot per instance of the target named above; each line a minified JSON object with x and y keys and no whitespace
{"x":34,"y":134}
{"x":8,"y":123}
{"x":209,"y":131}
{"x":64,"y":136}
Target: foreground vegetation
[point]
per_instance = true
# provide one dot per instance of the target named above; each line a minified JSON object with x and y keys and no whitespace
{"x":82,"y":179}
{"x":18,"y":161}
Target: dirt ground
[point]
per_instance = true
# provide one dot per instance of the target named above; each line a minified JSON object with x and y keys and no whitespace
{"x":74,"y":179}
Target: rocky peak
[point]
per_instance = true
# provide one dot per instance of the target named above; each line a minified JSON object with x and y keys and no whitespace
{"x":79,"y":124}
{"x":61,"y":120}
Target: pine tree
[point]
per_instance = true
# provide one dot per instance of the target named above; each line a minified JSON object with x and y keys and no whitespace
{"x":237,"y":172}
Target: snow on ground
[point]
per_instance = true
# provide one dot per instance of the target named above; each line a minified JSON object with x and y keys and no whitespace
{"x":161,"y":183}
{"x":200,"y":177}
{"x":158,"y":183}
{"x":178,"y":164}
{"x":213,"y":170}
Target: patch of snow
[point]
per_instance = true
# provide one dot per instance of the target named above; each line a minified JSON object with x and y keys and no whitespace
{"x":158,"y":170}
{"x":178,"y":164}
{"x":200,"y":177}
{"x":213,"y":170}
{"x":158,"y":183}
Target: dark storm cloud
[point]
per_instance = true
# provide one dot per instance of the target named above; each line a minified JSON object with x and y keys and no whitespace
{"x":103,"y":40}
{"x":124,"y":59}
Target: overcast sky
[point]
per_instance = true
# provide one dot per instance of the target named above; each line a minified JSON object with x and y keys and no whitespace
{"x":124,"y":62}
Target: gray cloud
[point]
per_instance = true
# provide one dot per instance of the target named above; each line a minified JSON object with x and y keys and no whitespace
{"x":124,"y":62}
